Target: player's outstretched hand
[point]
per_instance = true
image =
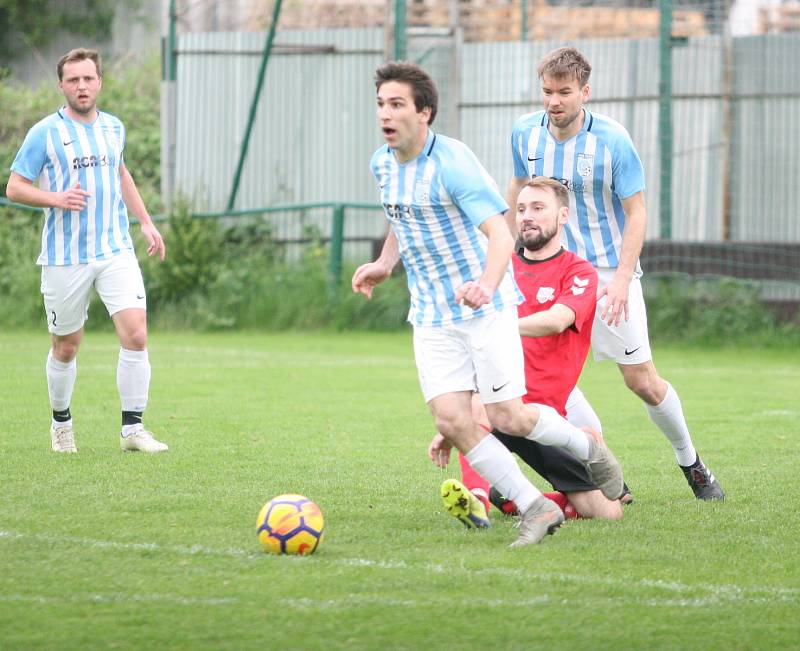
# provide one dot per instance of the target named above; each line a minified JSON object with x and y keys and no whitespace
{"x":72,"y":199}
{"x":616,"y":295}
{"x":155,"y":243}
{"x":439,"y":450}
{"x":473,"y":294}
{"x":367,"y":276}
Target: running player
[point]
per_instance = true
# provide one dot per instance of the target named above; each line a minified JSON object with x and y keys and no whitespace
{"x":71,"y":164}
{"x":594,"y":157}
{"x":555,"y":320}
{"x":447,"y":226}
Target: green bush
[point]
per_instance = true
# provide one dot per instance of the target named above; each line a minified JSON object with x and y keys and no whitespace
{"x":20,"y":277}
{"x":238,"y":276}
{"x":712,"y":310}
{"x":235,"y":275}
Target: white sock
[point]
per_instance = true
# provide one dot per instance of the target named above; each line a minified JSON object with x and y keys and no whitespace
{"x":497,"y":465}
{"x":580,"y":412}
{"x":554,"y":429}
{"x":668,"y":417}
{"x":60,"y":381}
{"x":133,"y":379}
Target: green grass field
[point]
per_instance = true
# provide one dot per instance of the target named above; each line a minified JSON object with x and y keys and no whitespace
{"x":106,"y":550}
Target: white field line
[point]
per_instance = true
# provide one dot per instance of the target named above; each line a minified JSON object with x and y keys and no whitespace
{"x":674,"y":593}
{"x":777,"y":412}
{"x":120,"y":598}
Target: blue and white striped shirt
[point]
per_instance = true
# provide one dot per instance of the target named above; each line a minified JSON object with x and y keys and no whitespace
{"x":599,"y":166}
{"x":435,"y":204}
{"x":60,"y":152}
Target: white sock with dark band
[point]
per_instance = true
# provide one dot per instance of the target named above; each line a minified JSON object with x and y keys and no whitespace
{"x":497,"y":465}
{"x":554,"y":429}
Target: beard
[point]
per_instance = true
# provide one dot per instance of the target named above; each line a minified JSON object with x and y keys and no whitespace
{"x":564,"y":120}
{"x":537,"y":241}
{"x":80,"y":109}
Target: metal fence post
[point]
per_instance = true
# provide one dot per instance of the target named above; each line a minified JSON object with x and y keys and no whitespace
{"x":169,"y":102}
{"x":665,"y":120}
{"x":337,"y":243}
{"x":276,"y":12}
{"x":399,"y":30}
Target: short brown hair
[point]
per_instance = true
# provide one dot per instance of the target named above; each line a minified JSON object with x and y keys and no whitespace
{"x":79,"y":54}
{"x":422,"y":86}
{"x":565,"y":62}
{"x":557,"y":188}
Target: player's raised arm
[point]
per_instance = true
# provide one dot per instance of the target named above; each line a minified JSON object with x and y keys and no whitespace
{"x":501,"y":245}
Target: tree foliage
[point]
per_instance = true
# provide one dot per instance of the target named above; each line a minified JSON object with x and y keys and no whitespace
{"x":35,"y":21}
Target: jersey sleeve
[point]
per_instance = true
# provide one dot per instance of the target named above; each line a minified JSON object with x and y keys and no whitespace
{"x":627,"y":169}
{"x":31,"y":157}
{"x":471,"y":187}
{"x":520,"y":168}
{"x":579,"y":293}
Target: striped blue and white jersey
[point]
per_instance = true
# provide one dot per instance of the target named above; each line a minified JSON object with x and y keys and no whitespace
{"x":435,"y":204}
{"x":58,"y":153}
{"x":599,"y":166}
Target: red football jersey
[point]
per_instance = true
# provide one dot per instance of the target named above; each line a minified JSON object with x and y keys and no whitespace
{"x":553,"y":363}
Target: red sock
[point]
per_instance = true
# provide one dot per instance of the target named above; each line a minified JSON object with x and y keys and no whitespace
{"x":472,"y":481}
{"x":564,"y":504}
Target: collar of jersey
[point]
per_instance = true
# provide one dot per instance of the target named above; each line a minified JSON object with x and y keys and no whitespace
{"x":522,"y":257}
{"x":430,"y":141}
{"x":63,"y":115}
{"x":588,"y":121}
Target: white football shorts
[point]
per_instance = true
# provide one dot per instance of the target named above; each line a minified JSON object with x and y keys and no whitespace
{"x":66,"y":290}
{"x":627,"y":343}
{"x":483,"y":354}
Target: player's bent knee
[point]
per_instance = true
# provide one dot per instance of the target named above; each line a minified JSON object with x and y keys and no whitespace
{"x":452,"y":426}
{"x":593,"y":504}
{"x":643,"y":384}
{"x":612,"y":510}
{"x":511,"y":422}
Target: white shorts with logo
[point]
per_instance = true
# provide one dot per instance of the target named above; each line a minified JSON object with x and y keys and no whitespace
{"x":627,"y":343}
{"x":66,"y":290}
{"x":483,"y":354}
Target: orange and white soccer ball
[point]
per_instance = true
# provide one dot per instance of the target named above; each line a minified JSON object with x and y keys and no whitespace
{"x":290,"y":524}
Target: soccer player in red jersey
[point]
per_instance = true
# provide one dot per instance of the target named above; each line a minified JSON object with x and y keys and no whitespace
{"x":555,"y":322}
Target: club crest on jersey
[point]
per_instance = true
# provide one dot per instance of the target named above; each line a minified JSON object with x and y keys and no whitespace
{"x":545,"y":294}
{"x":579,"y":285}
{"x":585,"y":164}
{"x":422,"y":191}
{"x":111,"y":138}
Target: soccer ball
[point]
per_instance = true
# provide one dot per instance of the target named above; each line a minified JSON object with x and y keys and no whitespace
{"x":290,"y":524}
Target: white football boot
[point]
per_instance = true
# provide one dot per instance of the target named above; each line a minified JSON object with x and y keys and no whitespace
{"x":62,"y":438}
{"x":140,"y":440}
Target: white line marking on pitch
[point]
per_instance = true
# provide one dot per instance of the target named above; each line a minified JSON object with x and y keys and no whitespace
{"x":119,"y":598}
{"x":702,"y":594}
